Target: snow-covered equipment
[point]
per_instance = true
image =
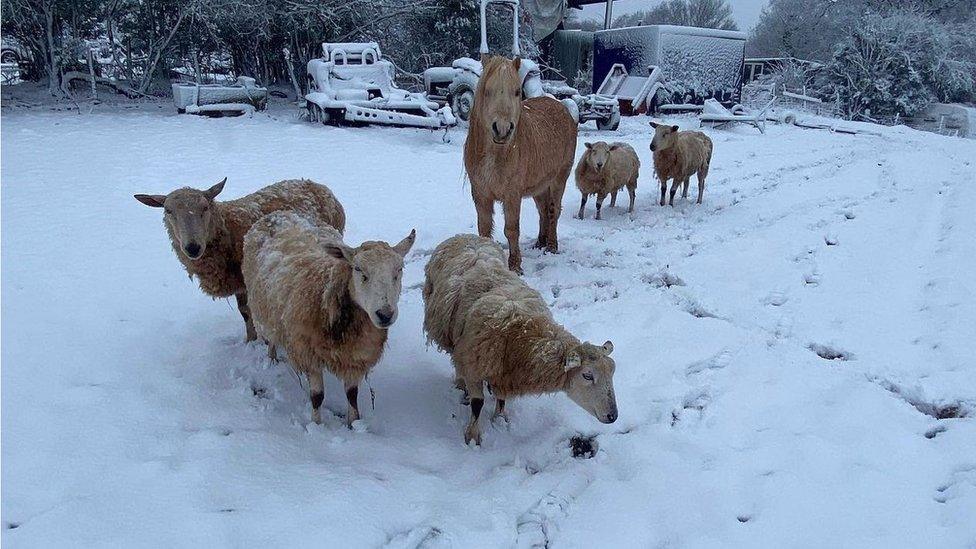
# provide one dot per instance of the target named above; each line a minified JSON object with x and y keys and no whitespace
{"x":666,"y":64}
{"x":10,"y":73}
{"x":218,"y":99}
{"x":455,"y":85}
{"x":353,"y":83}
{"x":716,"y":115}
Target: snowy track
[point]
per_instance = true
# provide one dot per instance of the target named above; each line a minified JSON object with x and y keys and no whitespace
{"x":793,"y":355}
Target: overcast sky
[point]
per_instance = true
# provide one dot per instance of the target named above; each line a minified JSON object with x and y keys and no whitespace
{"x":746,"y":12}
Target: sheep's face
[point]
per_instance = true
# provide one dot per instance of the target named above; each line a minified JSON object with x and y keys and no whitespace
{"x":664,"y":136}
{"x":498,"y":99}
{"x":377,"y":274}
{"x":598,"y":154}
{"x":589,"y":382}
{"x":188,"y":215}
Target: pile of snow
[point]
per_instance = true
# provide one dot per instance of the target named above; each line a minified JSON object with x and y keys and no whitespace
{"x":794,"y":356}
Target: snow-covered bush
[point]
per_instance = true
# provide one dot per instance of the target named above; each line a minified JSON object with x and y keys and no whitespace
{"x":897,"y":63}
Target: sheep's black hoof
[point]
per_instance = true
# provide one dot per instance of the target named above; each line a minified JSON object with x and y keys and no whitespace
{"x":583,"y":446}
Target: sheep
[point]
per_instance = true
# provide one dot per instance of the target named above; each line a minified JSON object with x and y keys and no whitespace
{"x":327,"y":304}
{"x":605,"y":169}
{"x":679,"y":155}
{"x":499,"y":331}
{"x":208,"y":236}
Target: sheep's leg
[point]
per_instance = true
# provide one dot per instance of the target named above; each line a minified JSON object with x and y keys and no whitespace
{"x":632,"y":190}
{"x":684,"y":188}
{"x":540,"y":205}
{"x":675,"y":183}
{"x":599,"y":203}
{"x":272,"y":352}
{"x":316,"y":393}
{"x":500,"y":413}
{"x":485,"y":207}
{"x":664,"y":188}
{"x":352,"y":396}
{"x":246,"y":313}
{"x":701,"y":186}
{"x":613,"y":198}
{"x":472,"y":431}
{"x":513,"y":209}
{"x":582,"y":206}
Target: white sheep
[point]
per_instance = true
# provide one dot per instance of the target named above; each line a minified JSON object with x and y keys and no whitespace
{"x":679,"y":155}
{"x":499,"y":331}
{"x":208,"y":236}
{"x":327,"y":304}
{"x":605,"y":169}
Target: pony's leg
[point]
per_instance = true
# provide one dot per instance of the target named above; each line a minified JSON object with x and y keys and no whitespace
{"x":541,"y":205}
{"x":599,"y":203}
{"x":486,"y":214}
{"x":513,"y":209}
{"x":556,"y":191}
{"x":613,"y":198}
{"x":664,"y":189}
{"x":582,"y":206}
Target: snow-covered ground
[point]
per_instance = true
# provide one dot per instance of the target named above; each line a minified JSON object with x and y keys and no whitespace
{"x":135,"y":415}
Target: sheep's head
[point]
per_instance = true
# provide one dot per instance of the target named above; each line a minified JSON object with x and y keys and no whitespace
{"x":188,"y":214}
{"x":377,"y":274}
{"x":589,"y":382}
{"x":598,"y":154}
{"x":663,"y":136}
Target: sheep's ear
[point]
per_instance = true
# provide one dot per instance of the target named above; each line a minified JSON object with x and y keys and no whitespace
{"x":588,"y":145}
{"x":484,"y":58}
{"x":151,"y":200}
{"x":517,"y":62}
{"x":573,"y":360}
{"x":404,"y":245}
{"x":212,"y":192}
{"x":654,"y":124}
{"x":613,"y":147}
{"x":340,"y":251}
{"x":674,"y":128}
{"x":608,"y":347}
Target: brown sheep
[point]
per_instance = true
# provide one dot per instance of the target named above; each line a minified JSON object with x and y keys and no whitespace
{"x":208,"y":236}
{"x":499,"y":331}
{"x":515,"y":149}
{"x":678,"y":156}
{"x":328,"y":305}
{"x":605,"y":169}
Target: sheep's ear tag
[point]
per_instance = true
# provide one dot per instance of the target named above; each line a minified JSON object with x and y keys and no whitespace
{"x":573,"y":360}
{"x":608,"y":347}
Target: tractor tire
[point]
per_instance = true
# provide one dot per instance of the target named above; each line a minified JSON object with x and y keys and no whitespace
{"x":609,"y":124}
{"x":462,"y":100}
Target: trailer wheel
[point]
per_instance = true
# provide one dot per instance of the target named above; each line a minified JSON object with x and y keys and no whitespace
{"x":317,"y":113}
{"x":462,"y":101}
{"x":609,"y":124}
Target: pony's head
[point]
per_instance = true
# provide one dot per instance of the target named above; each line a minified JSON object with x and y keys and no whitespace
{"x":498,"y":99}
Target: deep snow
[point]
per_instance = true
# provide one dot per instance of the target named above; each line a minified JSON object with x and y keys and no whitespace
{"x":134,"y":414}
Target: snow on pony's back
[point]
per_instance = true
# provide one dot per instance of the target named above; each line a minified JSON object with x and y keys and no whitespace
{"x":329,"y":305}
{"x":208,"y":236}
{"x":499,"y":331}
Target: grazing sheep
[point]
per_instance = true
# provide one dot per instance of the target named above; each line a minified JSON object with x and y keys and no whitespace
{"x":208,"y":236}
{"x":678,"y":156}
{"x":604,"y":169}
{"x":499,"y":331}
{"x":328,"y":305}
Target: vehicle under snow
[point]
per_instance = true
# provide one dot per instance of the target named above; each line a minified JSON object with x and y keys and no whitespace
{"x":353,"y":83}
{"x":658,"y":64}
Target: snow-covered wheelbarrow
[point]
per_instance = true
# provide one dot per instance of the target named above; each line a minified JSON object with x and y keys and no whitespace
{"x":217,"y":99}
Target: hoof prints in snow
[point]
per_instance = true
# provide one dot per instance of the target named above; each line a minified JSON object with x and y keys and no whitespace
{"x":662,"y":279}
{"x":934,"y":432}
{"x":938,"y":410}
{"x":743,"y":518}
{"x":583,"y":446}
{"x":827,"y":352}
{"x":422,"y":536}
{"x":12,"y":525}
